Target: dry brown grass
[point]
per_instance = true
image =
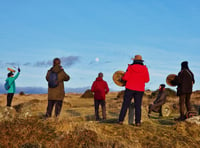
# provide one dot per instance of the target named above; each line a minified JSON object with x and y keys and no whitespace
{"x":76,"y":128}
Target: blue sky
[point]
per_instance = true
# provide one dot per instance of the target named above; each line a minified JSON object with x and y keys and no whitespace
{"x":92,"y":36}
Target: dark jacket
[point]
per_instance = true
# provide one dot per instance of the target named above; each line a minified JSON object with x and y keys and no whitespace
{"x":100,"y":88}
{"x":136,"y":76}
{"x":161,"y":98}
{"x":185,"y":80}
{"x":58,"y":92}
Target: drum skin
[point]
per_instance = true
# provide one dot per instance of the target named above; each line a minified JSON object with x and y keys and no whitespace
{"x":117,"y":78}
{"x":10,"y":69}
{"x":170,"y":80}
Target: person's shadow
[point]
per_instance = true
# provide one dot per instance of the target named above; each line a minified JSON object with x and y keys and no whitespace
{"x":166,"y":122}
{"x":111,"y":121}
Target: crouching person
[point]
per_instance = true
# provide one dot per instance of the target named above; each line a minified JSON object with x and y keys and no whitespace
{"x":159,"y":101}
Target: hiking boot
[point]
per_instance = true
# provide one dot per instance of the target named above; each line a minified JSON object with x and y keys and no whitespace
{"x":120,"y":122}
{"x":138,"y":124}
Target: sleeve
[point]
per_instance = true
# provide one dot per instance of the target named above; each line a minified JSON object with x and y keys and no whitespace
{"x":179,"y":78}
{"x":193,"y":78}
{"x":147,"y":75}
{"x":93,"y":87}
{"x":126,"y":75}
{"x":47,"y":76}
{"x":161,"y":100}
{"x":16,"y":76}
{"x":66,"y":76}
{"x":106,"y":88}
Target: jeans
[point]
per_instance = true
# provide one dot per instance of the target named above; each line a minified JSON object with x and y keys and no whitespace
{"x":58,"y":107}
{"x":184,"y":100}
{"x":9,"y":98}
{"x":103,"y":107}
{"x":128,"y":95}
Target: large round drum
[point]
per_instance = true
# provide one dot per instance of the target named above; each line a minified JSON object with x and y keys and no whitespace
{"x":117,"y":78}
{"x":170,"y":80}
{"x":11,"y":70}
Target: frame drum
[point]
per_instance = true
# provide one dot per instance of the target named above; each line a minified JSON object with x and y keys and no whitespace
{"x":117,"y":78}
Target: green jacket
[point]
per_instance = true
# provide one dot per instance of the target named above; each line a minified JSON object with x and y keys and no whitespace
{"x":57,"y":93}
{"x":11,"y":81}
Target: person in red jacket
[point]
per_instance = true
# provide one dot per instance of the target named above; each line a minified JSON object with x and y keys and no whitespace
{"x":136,"y":76}
{"x":100,"y":89}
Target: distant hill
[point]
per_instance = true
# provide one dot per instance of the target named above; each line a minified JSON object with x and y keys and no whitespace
{"x":42,"y":90}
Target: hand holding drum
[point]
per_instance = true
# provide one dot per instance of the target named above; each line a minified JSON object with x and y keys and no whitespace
{"x":171,"y":80}
{"x":117,"y":78}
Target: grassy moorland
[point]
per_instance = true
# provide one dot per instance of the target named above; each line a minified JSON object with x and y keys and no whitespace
{"x":23,"y":126}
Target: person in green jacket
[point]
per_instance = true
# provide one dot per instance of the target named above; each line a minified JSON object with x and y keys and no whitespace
{"x":11,"y":91}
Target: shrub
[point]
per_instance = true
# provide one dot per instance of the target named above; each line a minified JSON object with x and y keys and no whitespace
{"x":88,"y":94}
{"x":21,"y":133}
{"x":80,"y":137}
{"x":21,"y":93}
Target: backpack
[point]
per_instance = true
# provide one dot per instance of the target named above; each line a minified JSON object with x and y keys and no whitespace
{"x":53,"y":79}
{"x":6,"y":85}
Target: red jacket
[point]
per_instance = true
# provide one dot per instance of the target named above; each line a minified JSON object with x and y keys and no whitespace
{"x":136,"y":76}
{"x":100,"y":89}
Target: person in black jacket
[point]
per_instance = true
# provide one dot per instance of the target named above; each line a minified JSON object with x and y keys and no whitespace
{"x":185,"y":81}
{"x":160,"y":100}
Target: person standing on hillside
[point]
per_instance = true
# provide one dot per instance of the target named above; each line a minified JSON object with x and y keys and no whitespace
{"x":11,"y":90}
{"x":135,"y":76}
{"x":56,"y":77}
{"x":185,"y":81}
{"x":100,"y":89}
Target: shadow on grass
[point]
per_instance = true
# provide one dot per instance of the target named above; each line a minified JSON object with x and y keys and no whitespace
{"x":166,"y":121}
{"x":73,"y":112}
{"x":114,"y":120}
{"x":113,"y":114}
{"x":154,"y":117}
{"x":90,"y":118}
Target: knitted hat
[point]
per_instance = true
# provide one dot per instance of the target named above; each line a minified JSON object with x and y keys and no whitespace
{"x":184,"y":64}
{"x":100,"y":74}
{"x":162,"y":85}
{"x":10,"y":74}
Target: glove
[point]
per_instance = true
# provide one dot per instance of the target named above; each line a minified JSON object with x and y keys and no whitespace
{"x":19,"y":70}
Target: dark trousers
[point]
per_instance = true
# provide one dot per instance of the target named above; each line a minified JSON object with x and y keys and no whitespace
{"x":103,"y":107}
{"x":155,"y":108}
{"x":58,"y":107}
{"x":9,"y":98}
{"x":184,"y":100}
{"x":128,"y":95}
